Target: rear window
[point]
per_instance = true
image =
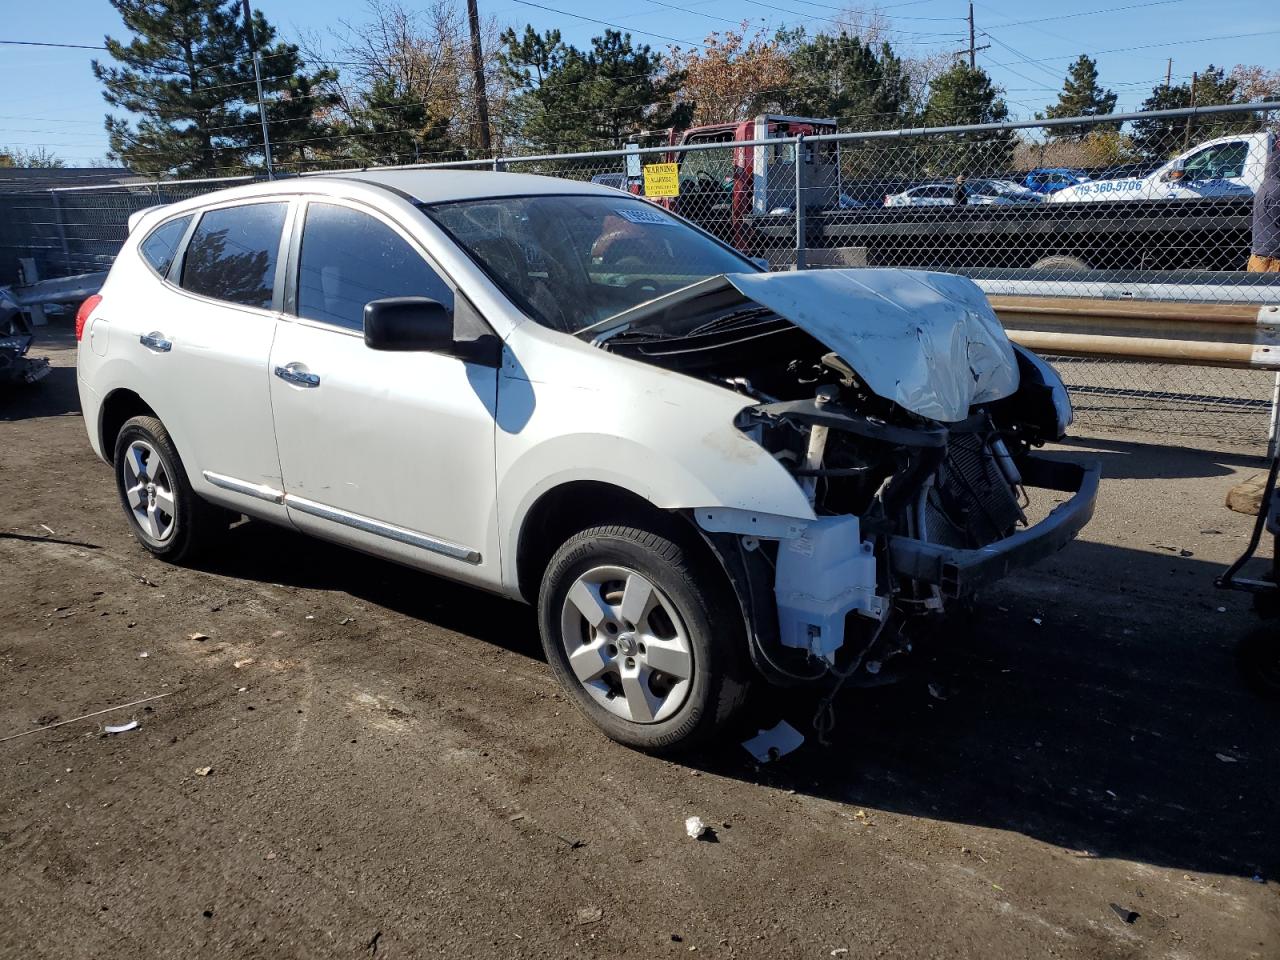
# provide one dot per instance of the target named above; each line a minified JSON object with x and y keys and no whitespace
{"x":162,"y":243}
{"x":232,"y":254}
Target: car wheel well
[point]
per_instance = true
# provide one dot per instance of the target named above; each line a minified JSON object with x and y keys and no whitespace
{"x":118,"y":408}
{"x":573,"y":507}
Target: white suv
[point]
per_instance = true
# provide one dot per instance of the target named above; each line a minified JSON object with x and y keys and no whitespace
{"x":700,"y":472}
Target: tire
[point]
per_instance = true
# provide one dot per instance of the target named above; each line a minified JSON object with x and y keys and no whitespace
{"x":1060,"y":261}
{"x":164,"y":513}
{"x":676,"y":673}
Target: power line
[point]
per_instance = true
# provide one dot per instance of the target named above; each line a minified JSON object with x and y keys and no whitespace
{"x":1086,"y":13}
{"x":606,"y":23}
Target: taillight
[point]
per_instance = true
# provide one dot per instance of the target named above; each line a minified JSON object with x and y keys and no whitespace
{"x":82,"y":315}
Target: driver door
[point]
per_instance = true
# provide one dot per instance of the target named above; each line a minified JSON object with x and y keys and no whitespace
{"x":389,"y":452}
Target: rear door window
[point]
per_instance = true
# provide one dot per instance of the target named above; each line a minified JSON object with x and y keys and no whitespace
{"x":350,"y":258}
{"x":233,"y":252}
{"x":162,"y":244}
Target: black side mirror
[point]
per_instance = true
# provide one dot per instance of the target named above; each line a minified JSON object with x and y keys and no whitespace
{"x":408,"y":323}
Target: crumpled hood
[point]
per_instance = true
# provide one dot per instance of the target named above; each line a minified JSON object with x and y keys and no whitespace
{"x":930,"y":342}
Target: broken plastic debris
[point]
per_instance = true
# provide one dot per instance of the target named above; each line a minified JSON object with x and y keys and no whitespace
{"x":695,"y":828}
{"x":1227,"y":758}
{"x":936,"y":691}
{"x":840,"y":952}
{"x":774,"y":743}
{"x":121,"y":728}
{"x":1124,"y":913}
{"x":143,"y":655}
{"x":203,"y":771}
{"x":587,"y":915}
{"x":243,"y":663}
{"x":197,"y":636}
{"x":1222,"y":609}
{"x":1038,"y":621}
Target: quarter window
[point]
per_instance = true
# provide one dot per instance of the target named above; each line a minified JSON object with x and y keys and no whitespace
{"x":350,"y":258}
{"x":232,"y":254}
{"x":162,"y":243}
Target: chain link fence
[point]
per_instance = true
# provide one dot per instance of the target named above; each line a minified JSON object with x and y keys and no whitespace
{"x":1151,"y":206}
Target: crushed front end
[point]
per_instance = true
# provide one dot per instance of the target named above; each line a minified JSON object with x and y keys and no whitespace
{"x":898,"y":405}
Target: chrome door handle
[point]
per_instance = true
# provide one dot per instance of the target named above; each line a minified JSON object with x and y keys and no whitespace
{"x":291,"y":374}
{"x":156,"y":341}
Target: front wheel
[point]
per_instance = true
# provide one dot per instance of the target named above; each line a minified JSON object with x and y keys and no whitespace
{"x":645,"y":636}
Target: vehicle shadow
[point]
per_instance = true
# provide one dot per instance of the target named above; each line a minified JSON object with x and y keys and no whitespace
{"x":1126,"y":460}
{"x":253,"y":552}
{"x":1096,"y":715}
{"x":52,"y":396}
{"x":1075,"y":705}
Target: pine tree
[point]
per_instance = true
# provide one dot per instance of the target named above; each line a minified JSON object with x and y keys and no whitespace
{"x":393,"y":125}
{"x":1081,"y":96}
{"x":187,"y":75}
{"x":864,"y":87}
{"x":965,"y":95}
{"x":1159,"y":138}
{"x":571,"y":99}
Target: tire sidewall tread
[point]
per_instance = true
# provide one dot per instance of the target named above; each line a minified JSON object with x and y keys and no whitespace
{"x":196,"y":523}
{"x":712,"y":620}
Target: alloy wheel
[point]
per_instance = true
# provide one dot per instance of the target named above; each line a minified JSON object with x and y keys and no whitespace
{"x":626,"y":644}
{"x":148,"y":491}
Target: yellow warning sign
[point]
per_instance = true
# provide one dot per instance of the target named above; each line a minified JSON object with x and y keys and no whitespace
{"x":662,"y":180}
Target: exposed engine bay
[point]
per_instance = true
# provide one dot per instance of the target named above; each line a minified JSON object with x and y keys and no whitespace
{"x":907,"y":418}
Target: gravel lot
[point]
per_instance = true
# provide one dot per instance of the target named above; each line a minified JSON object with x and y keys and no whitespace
{"x":393,"y":773}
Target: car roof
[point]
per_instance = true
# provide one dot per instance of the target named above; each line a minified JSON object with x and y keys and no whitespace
{"x":441,"y":186}
{"x":422,"y":186}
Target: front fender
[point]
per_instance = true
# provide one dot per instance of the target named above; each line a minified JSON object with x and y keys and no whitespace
{"x":662,"y":436}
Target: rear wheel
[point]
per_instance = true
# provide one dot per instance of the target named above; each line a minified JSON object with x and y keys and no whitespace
{"x":164,"y":513}
{"x":644,"y":635}
{"x":1060,"y":261}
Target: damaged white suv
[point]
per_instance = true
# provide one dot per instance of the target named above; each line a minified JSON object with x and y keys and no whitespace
{"x":703,"y":474}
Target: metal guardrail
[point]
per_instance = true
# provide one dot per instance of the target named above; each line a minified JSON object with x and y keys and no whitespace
{"x":1242,"y":336}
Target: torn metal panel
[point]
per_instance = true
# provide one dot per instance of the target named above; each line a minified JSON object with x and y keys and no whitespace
{"x":930,"y":342}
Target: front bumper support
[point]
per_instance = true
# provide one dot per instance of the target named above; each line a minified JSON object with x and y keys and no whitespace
{"x":959,"y":572}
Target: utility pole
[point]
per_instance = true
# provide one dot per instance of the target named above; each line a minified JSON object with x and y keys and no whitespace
{"x":1168,"y":74}
{"x":477,"y":68}
{"x":257,"y":76}
{"x":1186,"y":134}
{"x":972,"y":52}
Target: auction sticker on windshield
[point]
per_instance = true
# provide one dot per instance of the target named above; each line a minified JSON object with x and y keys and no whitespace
{"x":645,"y":216}
{"x":662,"y":180}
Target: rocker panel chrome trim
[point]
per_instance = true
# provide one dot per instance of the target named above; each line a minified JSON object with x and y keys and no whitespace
{"x":259,"y":490}
{"x":378,"y":528}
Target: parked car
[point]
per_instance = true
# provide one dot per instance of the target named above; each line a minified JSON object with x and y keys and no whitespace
{"x":620,"y":181}
{"x":1052,"y":179}
{"x":1228,"y":166}
{"x":980,"y":191}
{"x":702,"y":474}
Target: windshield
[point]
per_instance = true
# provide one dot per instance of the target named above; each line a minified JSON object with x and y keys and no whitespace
{"x":571,"y":261}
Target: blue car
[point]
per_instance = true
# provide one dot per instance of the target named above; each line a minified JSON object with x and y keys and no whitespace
{"x":1053,"y":179}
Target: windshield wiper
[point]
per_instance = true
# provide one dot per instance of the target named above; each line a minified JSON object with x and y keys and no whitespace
{"x":731,"y":319}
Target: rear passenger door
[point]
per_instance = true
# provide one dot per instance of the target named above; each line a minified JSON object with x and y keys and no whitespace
{"x":212,"y":341}
{"x":385,"y":451}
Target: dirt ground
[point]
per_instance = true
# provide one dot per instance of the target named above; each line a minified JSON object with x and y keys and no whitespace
{"x":393,"y":773}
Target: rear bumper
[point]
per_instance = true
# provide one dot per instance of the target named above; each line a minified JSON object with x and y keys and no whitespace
{"x":959,"y":572}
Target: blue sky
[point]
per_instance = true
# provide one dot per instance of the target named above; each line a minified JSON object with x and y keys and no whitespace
{"x":48,"y":97}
